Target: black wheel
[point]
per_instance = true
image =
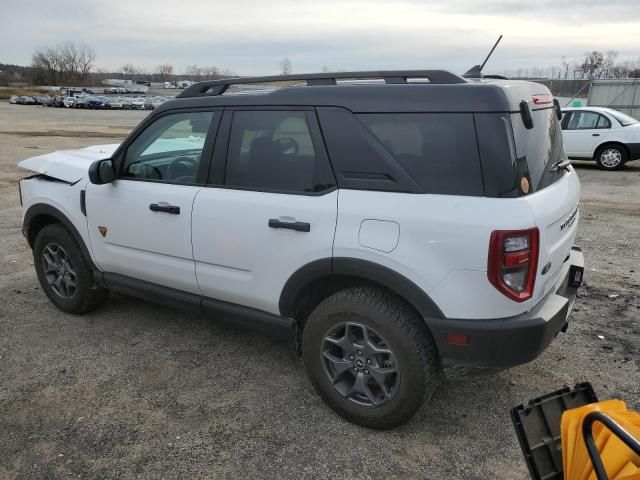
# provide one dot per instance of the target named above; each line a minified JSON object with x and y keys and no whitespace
{"x":370,"y":357}
{"x":611,"y":157}
{"x":64,"y":273}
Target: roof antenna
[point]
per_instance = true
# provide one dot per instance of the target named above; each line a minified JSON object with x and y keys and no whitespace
{"x":476,"y":71}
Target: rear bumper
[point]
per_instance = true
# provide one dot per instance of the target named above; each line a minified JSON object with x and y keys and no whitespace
{"x":507,"y":342}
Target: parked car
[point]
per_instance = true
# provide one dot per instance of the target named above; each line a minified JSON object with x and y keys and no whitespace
{"x":400,"y":231}
{"x":69,"y":102}
{"x":14,"y":99}
{"x":137,"y":103}
{"x":114,"y":103}
{"x":94,"y":103}
{"x":45,"y":100}
{"x":607,"y":136}
{"x":153,"y":102}
{"x":81,"y":101}
{"x":58,"y":101}
{"x":26,"y":100}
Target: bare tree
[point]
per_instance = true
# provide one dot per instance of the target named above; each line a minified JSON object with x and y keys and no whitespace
{"x":209,"y":73}
{"x":193,"y":72}
{"x":608,"y":63}
{"x":66,"y":62}
{"x":130,"y":69}
{"x":285,"y":66}
{"x":164,"y":71}
{"x":592,"y":65}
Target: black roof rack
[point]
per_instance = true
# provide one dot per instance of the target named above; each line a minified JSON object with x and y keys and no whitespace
{"x":218,"y":87}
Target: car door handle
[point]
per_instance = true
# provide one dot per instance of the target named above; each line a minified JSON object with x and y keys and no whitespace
{"x":595,"y":134}
{"x":297,"y":226}
{"x":157,"y":207}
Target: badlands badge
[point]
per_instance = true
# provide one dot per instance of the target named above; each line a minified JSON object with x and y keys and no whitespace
{"x":102,"y":230}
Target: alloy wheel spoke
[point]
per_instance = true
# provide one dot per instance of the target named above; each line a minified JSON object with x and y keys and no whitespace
{"x":380,"y":375}
{"x":49,"y":263}
{"x":57,"y":285}
{"x":69,"y":285}
{"x":344,"y":342}
{"x":340,"y":365}
{"x":358,"y":386}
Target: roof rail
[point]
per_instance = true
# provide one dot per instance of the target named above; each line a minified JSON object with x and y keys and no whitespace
{"x":218,"y":87}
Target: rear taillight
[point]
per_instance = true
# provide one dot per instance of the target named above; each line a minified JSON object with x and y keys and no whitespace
{"x":513,"y":262}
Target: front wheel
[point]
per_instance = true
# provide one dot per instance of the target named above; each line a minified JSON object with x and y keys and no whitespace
{"x":370,"y":357}
{"x":611,"y":157}
{"x":64,"y":274}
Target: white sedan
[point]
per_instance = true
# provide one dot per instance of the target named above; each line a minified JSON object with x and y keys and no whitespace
{"x":607,"y":136}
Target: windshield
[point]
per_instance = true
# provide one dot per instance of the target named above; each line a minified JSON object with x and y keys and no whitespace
{"x":623,"y":118}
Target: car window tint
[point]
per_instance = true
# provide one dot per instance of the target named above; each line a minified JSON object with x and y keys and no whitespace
{"x":274,"y":151}
{"x":439,"y":150}
{"x":170,"y":149}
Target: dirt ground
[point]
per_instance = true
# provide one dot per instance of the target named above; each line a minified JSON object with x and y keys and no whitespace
{"x":138,"y":391}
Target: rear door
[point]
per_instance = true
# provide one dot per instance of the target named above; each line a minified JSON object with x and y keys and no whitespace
{"x":270,"y":207}
{"x":583,"y":131}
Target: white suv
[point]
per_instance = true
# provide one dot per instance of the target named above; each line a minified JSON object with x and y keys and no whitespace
{"x":605,"y":135}
{"x":398,"y":226}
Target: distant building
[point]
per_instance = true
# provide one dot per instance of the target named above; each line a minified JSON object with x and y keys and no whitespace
{"x":117,"y":82}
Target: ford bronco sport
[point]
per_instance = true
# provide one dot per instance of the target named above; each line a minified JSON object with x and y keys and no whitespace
{"x":400,"y":224}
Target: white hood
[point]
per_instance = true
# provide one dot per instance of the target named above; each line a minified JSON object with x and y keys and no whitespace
{"x":68,"y":165}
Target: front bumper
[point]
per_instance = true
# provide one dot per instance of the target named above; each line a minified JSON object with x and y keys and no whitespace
{"x":506,"y":342}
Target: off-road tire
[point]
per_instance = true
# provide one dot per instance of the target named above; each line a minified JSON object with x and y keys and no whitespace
{"x":613,"y":151}
{"x":87,"y":295}
{"x":405,"y":333}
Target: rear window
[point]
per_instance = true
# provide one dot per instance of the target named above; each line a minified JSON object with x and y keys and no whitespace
{"x":540,"y":147}
{"x":439,"y":150}
{"x":624,"y":119}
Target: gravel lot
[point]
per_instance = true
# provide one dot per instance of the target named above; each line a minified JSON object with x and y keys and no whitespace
{"x":139,"y":391}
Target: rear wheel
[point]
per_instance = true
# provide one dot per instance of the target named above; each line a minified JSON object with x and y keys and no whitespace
{"x":370,"y":357}
{"x":64,"y":274}
{"x":611,"y":157}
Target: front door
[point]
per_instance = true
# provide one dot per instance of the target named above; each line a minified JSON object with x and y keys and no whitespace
{"x":140,"y":224}
{"x":270,"y":209}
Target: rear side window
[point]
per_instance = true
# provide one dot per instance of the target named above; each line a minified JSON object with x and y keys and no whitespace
{"x":439,"y":150}
{"x":274,"y":151}
{"x":587,"y":121}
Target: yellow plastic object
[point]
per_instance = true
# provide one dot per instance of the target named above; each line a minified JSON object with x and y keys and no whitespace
{"x":619,"y":461}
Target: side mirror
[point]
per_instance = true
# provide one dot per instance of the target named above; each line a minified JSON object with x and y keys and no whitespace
{"x":102,"y":172}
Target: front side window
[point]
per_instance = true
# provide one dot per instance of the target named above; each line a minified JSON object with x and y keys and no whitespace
{"x":170,"y":149}
{"x":587,"y":121}
{"x":274,"y":151}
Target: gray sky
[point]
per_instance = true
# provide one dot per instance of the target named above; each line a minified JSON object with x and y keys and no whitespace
{"x":251,"y":37}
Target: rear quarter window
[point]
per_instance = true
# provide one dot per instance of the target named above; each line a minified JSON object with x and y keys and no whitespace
{"x":439,"y":150}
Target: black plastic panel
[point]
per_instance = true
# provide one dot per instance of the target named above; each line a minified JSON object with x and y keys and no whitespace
{"x":537,"y":425}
